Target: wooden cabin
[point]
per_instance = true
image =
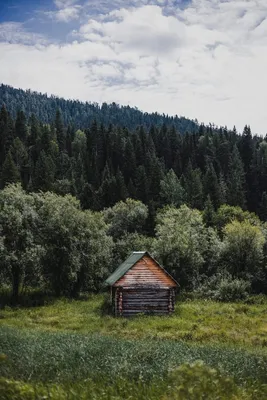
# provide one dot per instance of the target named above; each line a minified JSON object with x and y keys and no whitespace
{"x":141,"y":285}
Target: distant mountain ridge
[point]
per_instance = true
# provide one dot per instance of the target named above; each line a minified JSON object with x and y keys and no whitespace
{"x":81,"y":114}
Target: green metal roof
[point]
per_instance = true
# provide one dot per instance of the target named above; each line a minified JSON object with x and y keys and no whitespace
{"x":128,"y":264}
{"x":124,"y":267}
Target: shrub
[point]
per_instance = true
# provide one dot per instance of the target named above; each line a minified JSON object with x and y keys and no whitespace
{"x":198,"y":381}
{"x":223,"y":287}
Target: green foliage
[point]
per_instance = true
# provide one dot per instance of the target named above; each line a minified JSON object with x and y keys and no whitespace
{"x":171,"y":190}
{"x":208,"y":212}
{"x":20,"y":250}
{"x":129,"y":216}
{"x":226,"y":214}
{"x":128,"y":243}
{"x":223,"y":287}
{"x":243,"y":249}
{"x":77,"y":248}
{"x":10,"y":173}
{"x":197,"y":381}
{"x":182,"y":240}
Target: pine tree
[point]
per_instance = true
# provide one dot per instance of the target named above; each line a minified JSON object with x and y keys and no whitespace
{"x":131,"y":189}
{"x":122,"y":192}
{"x":208,"y":212}
{"x":192,"y":184}
{"x":141,"y":183}
{"x":263,"y":207}
{"x":129,"y":164}
{"x":6,"y":133}
{"x":236,"y":180}
{"x":211,"y":185}
{"x":10,"y":173}
{"x":222,"y":190}
{"x":246,"y":148}
{"x":44,"y":173}
{"x":61,"y":139}
{"x":21,"y":129}
{"x":20,"y":157}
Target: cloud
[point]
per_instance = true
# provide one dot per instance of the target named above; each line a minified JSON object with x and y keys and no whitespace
{"x":65,"y":14}
{"x":144,"y":30}
{"x":14,"y":32}
{"x":206,"y":59}
{"x":67,"y":10}
{"x":64,"y":3}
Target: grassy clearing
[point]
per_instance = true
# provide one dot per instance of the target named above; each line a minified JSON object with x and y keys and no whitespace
{"x":70,"y":350}
{"x":196,"y":321}
{"x":83,"y":364}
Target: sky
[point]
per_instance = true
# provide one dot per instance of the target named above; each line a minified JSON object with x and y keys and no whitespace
{"x":202,"y":59}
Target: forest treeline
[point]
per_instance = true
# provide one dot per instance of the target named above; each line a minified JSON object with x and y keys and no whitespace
{"x":101,"y":165}
{"x":49,"y":243}
{"x":82,"y":114}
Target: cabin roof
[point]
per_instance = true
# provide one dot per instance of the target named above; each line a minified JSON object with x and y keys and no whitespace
{"x":128,"y":264}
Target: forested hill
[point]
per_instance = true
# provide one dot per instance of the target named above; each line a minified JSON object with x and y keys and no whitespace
{"x":82,"y":114}
{"x":103,"y":164}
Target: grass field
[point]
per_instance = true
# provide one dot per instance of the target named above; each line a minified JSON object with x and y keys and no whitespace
{"x":70,"y":349}
{"x":197,"y":321}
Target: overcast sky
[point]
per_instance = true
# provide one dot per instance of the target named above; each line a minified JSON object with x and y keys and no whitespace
{"x":204,"y":59}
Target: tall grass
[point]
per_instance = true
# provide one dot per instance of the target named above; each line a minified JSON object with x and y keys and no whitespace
{"x":67,"y":357}
{"x":70,"y":350}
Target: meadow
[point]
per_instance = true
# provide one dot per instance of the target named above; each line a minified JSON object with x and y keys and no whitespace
{"x":73,"y":349}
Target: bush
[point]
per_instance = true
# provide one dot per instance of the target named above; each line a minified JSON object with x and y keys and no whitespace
{"x":12,"y":390}
{"x":198,"y":381}
{"x":223,"y":287}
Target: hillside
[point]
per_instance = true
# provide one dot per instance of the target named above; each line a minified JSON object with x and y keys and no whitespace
{"x":156,"y":159}
{"x":81,"y":115}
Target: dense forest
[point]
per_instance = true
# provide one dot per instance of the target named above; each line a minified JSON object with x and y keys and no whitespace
{"x":81,"y":114}
{"x":83,"y":185}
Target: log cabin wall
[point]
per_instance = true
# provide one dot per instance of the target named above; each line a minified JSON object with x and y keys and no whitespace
{"x":145,"y":288}
{"x":146,"y":272}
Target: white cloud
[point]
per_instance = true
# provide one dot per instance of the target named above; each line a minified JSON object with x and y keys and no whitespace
{"x":68,"y":10}
{"x":14,"y":32}
{"x":64,"y":3}
{"x":207,"y":60}
{"x":65,"y":14}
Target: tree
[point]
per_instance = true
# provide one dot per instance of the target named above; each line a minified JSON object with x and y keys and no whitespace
{"x":141,"y":184}
{"x":128,"y":243}
{"x":181,"y":242}
{"x":20,"y":251}
{"x":211,"y":185}
{"x":236,"y":180}
{"x":243,"y":249}
{"x":94,"y":252}
{"x":171,"y":190}
{"x":246,"y":147}
{"x":61,"y":138}
{"x":192,"y":184}
{"x":208,"y":212}
{"x":122,"y":192}
{"x":60,"y":234}
{"x":226,"y":214}
{"x":21,"y":129}
{"x":263,"y":207}
{"x":126,"y":217}
{"x":10,"y":173}
{"x":20,"y":157}
{"x":44,"y":173}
